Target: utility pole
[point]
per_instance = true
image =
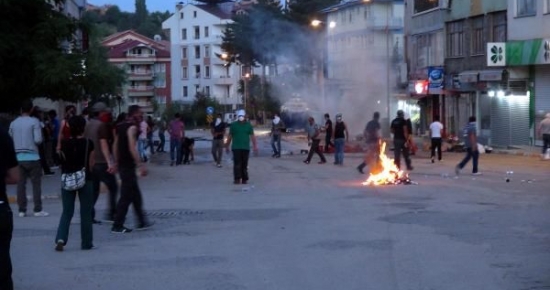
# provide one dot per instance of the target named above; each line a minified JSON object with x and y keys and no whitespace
{"x":388,"y":62}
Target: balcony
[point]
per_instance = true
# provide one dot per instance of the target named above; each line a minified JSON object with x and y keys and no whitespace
{"x":140,"y":75}
{"x":383,"y":23}
{"x":224,"y":80}
{"x":141,"y":91}
{"x":141,"y":58}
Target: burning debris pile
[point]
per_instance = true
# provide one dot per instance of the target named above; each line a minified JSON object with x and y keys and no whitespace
{"x":385,"y":172}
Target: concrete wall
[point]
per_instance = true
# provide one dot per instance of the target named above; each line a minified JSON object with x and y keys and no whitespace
{"x":529,"y":27}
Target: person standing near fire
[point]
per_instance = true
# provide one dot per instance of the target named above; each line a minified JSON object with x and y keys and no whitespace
{"x":372,"y":138}
{"x":341,"y":136}
{"x":313,"y":138}
{"x":328,"y":132}
{"x":400,"y":133}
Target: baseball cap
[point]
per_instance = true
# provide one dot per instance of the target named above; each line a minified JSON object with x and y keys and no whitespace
{"x":240,"y":113}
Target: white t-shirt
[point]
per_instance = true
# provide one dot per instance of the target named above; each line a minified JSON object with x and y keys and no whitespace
{"x":436,"y":128}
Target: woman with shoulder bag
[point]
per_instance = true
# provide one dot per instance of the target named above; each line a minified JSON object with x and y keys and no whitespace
{"x":76,"y":160}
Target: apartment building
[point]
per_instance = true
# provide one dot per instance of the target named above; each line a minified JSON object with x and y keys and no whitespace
{"x":147,"y":65}
{"x":196,"y":32}
{"x":528,"y":50}
{"x":365,"y":56}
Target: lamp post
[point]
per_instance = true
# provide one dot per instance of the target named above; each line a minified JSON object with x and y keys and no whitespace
{"x":245,"y":93}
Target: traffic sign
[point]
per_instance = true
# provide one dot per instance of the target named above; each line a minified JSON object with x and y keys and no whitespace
{"x":209,"y":119}
{"x":210,"y":110}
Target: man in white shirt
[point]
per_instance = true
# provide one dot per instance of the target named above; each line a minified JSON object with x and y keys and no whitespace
{"x":436,"y":131}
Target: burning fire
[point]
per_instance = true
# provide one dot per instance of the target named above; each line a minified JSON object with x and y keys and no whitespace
{"x":385,"y":172}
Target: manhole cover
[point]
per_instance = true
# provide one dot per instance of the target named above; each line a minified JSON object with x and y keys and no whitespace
{"x":173,"y":213}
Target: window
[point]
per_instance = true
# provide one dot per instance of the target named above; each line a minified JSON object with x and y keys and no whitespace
{"x":197,"y":32}
{"x":198,"y":71}
{"x":197,"y":89}
{"x":207,"y":90}
{"x":184,"y":73}
{"x":207,"y":71}
{"x":161,"y":99}
{"x":526,"y":8}
{"x":207,"y":51}
{"x":160,"y":67}
{"x":366,"y":12}
{"x":185,"y":92}
{"x":455,"y":39}
{"x":478,"y":36}
{"x":499,"y":27}
{"x":184,"y":34}
{"x":206,"y":32}
{"x":181,"y":15}
{"x":425,"y":5}
{"x":194,"y":14}
{"x":184,"y":52}
{"x":197,"y":51}
{"x":160,"y":82}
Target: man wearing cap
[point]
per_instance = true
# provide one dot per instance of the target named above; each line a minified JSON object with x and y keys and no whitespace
{"x":98,"y":129}
{"x":400,"y":133}
{"x":240,"y":135}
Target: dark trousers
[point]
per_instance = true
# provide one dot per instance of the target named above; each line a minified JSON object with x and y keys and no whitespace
{"x":399,"y":147}
{"x":315,"y":149}
{"x":175,"y":150}
{"x":162,"y":138}
{"x":6,"y":230}
{"x":328,"y":143}
{"x":55,"y":156}
{"x":240,"y":164}
{"x":43,"y":161}
{"x":436,"y":144}
{"x":545,"y":142}
{"x":129,"y":194}
{"x":100,"y":174}
{"x":187,"y":149}
{"x":217,"y":150}
{"x":33,"y":171}
{"x":68,"y":198}
{"x":150,"y":143}
{"x":470,"y":154}
{"x":276,"y":144}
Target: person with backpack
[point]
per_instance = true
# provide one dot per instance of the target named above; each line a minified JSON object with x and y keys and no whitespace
{"x":372,"y":138}
{"x":77,"y":158}
{"x":341,"y":136}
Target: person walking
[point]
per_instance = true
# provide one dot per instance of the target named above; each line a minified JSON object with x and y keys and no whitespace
{"x":176,"y":130}
{"x":313,"y":138}
{"x":372,"y":138}
{"x":341,"y":136}
{"x":128,"y":160}
{"x":277,"y":126}
{"x":400,"y":133}
{"x":218,"y":131}
{"x":162,"y":137}
{"x":142,"y":140}
{"x":436,"y":131}
{"x":77,"y":153}
{"x":328,"y":132}
{"x":470,"y":141}
{"x":27,"y":136}
{"x":9,"y":174}
{"x":99,"y":131}
{"x":240,"y":134}
{"x":544,"y":133}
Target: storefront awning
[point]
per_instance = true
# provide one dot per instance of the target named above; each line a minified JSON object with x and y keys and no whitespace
{"x":490,"y":75}
{"x":469,"y":76}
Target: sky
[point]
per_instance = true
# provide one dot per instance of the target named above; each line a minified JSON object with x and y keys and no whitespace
{"x":129,"y":5}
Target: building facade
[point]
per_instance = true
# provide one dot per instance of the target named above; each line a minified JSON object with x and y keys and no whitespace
{"x":528,"y":51}
{"x":365,"y":57}
{"x":196,"y":32}
{"x":147,"y":65}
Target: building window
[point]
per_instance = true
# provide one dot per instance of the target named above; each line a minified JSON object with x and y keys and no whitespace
{"x":206,"y":31}
{"x":455,"y":39}
{"x":197,"y":32}
{"x":478,"y":36}
{"x":425,"y":5}
{"x":185,"y":92}
{"x":366,"y":12}
{"x":184,"y":52}
{"x":197,"y":51}
{"x":198,"y":71}
{"x":184,"y":34}
{"x":160,"y":67}
{"x":194,"y":14}
{"x":526,"y":8}
{"x":207,"y":51}
{"x":184,"y":73}
{"x":207,"y":71}
{"x":207,"y":90}
{"x":160,"y":82}
{"x":161,"y":100}
{"x":181,"y":15}
{"x":197,"y":89}
{"x":499,"y":27}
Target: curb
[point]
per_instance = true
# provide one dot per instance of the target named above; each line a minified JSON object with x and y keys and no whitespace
{"x":516,"y":153}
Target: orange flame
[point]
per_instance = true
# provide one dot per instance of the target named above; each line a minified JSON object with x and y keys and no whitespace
{"x":385,"y":171}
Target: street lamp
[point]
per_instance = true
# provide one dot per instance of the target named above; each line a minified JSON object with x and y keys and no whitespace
{"x":245,"y":80}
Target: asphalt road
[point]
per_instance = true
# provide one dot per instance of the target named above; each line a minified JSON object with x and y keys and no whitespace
{"x":300,"y":226}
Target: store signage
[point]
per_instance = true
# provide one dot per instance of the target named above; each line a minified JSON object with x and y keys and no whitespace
{"x":496,"y":54}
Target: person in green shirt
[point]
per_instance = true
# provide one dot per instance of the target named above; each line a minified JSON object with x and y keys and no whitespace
{"x":240,"y":134}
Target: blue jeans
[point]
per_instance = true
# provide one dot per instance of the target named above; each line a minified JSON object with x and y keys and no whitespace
{"x":86,"y":197}
{"x":471,"y":154}
{"x":142,"y":145}
{"x":276,"y":139}
{"x":175,"y":149}
{"x":339,"y":154}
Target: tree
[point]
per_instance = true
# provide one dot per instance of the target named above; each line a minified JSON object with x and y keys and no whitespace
{"x":141,"y":14}
{"x":198,"y":108}
{"x":39,"y":56}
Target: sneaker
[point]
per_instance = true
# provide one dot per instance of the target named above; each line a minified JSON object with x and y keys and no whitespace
{"x":219,"y":165}
{"x":244,"y":181}
{"x":433,"y":160}
{"x":92,"y":247}
{"x":120,"y":230}
{"x":41,"y":213}
{"x":306,"y":161}
{"x":477,"y":173}
{"x":59,"y":245}
{"x":22,"y":214}
{"x":274,"y":155}
{"x":144,"y":226}
{"x":457,"y":170}
{"x":360,"y":170}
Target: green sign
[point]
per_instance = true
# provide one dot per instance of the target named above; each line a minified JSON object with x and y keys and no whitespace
{"x":527,"y":52}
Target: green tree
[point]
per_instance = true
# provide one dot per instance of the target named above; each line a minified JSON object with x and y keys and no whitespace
{"x":198,"y":108}
{"x":141,"y":14}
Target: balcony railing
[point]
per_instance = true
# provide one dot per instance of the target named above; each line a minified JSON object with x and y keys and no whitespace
{"x":381,"y":23}
{"x":140,"y":88}
{"x":141,"y":55}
